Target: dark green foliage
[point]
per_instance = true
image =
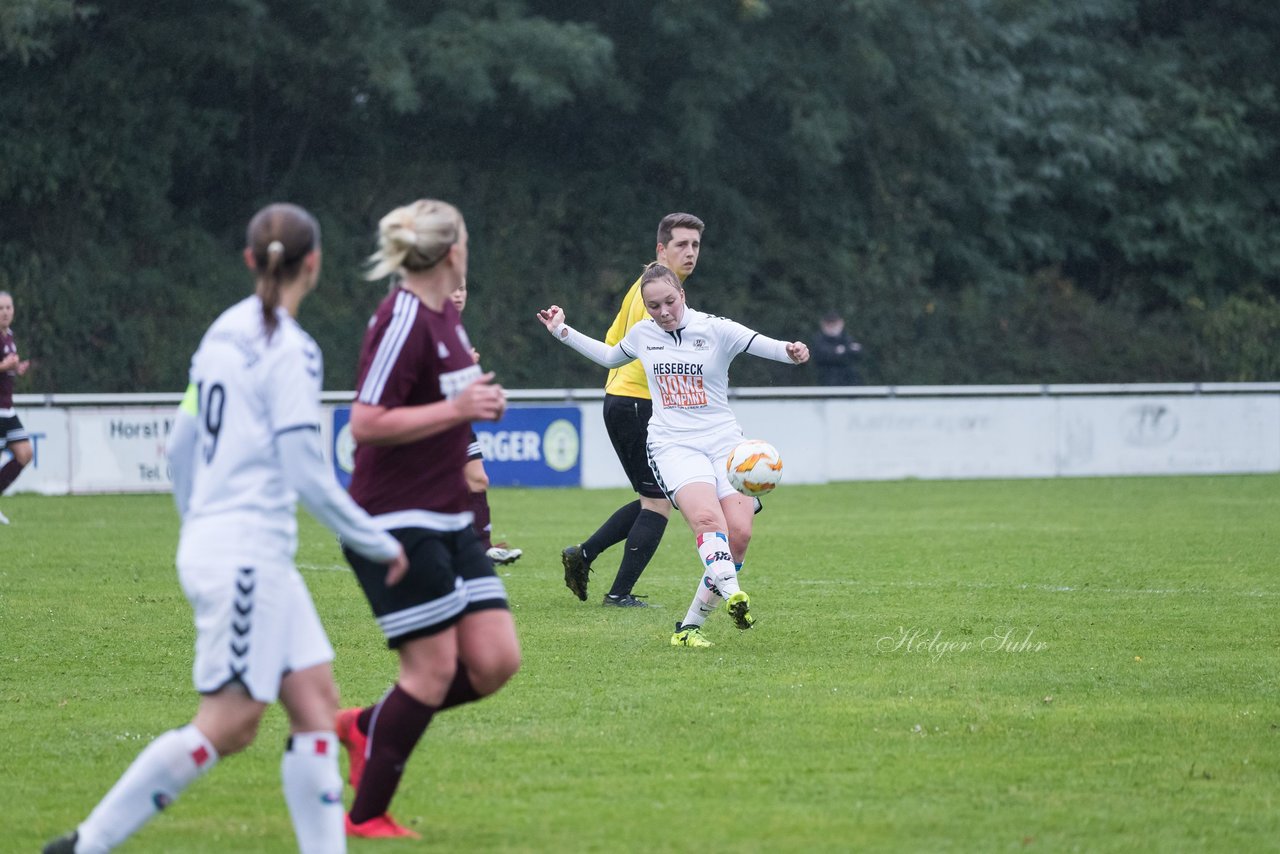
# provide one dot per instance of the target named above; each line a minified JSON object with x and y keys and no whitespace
{"x":991,"y":191}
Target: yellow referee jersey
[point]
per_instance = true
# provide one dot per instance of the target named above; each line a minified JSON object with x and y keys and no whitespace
{"x":629,"y":380}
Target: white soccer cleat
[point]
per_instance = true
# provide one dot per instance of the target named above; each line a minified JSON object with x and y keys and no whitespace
{"x":501,"y":555}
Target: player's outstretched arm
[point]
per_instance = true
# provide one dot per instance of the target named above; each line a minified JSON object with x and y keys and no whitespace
{"x":597,"y":351}
{"x":765,"y":347}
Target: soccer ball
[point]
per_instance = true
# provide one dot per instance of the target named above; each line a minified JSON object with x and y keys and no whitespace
{"x":754,"y":468}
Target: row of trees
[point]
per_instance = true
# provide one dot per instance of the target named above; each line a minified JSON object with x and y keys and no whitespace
{"x":991,"y":191}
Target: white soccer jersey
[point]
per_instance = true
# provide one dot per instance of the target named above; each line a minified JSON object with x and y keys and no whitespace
{"x":250,"y":390}
{"x":687,"y":369}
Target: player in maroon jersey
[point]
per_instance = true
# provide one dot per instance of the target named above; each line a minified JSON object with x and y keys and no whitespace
{"x":418,"y":390}
{"x":13,"y":436}
{"x":478,"y":478}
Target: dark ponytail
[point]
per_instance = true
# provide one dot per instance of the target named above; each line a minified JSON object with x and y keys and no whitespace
{"x":279,"y":237}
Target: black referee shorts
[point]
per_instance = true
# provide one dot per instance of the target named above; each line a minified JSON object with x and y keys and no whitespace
{"x":627,"y":421}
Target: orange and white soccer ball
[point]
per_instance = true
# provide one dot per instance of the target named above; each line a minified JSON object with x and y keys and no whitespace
{"x":754,"y":468}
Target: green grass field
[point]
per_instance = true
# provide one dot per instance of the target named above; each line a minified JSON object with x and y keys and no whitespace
{"x":1065,"y":665}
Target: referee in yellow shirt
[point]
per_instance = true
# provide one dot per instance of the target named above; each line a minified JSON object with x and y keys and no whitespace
{"x":627,"y":407}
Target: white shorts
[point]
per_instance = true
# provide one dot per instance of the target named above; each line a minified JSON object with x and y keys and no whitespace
{"x":699,"y":459}
{"x":255,"y":621}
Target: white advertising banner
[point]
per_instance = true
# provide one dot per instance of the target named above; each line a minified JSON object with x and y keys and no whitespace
{"x":889,"y":438}
{"x":1183,"y":434}
{"x":50,"y":468}
{"x":120,"y":449}
{"x":872,"y":437}
{"x":957,"y":437}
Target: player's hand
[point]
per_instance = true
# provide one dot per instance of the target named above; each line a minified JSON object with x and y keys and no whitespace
{"x":397,"y":569}
{"x":798,"y":351}
{"x":552,"y":318}
{"x":22,"y":367}
{"x":475,"y":355}
{"x":483,"y":400}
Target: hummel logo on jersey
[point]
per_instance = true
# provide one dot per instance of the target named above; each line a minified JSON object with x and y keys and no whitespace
{"x":649,"y":347}
{"x":441,"y":350}
{"x":312,"y":356}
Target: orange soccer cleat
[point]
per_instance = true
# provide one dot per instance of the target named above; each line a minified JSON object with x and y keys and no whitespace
{"x":380,"y":827}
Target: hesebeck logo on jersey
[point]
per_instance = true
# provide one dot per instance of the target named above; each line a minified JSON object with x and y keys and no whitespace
{"x":677,"y":368}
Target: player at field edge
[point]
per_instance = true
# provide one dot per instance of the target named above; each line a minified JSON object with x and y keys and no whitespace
{"x":13,"y":436}
{"x":418,"y":390}
{"x":686,"y":355}
{"x":627,"y":409}
{"x":245,"y":447}
{"x":478,"y":479}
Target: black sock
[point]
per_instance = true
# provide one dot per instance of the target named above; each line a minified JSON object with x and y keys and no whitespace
{"x":642,"y":542}
{"x":460,"y":690}
{"x":13,"y":468}
{"x":615,"y":529}
{"x":481,"y":524}
{"x":398,"y":723}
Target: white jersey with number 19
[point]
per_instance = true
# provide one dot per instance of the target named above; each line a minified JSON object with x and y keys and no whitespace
{"x":250,"y":390}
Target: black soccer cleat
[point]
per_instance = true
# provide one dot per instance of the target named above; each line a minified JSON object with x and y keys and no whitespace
{"x":63,"y":844}
{"x":576,"y":570}
{"x":626,"y":600}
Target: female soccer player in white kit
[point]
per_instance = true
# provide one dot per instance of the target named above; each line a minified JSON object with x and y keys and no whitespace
{"x":686,"y":355}
{"x":244,"y":447}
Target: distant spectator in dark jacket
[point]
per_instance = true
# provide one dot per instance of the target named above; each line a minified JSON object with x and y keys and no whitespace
{"x":836,"y":354}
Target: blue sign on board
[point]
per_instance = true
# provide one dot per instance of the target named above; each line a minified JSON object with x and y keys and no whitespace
{"x":530,"y":446}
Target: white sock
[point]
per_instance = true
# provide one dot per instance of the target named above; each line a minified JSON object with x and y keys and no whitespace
{"x":313,"y":790}
{"x":154,"y":780}
{"x":720,"y":581}
{"x":705,"y":602}
{"x":714,"y":549}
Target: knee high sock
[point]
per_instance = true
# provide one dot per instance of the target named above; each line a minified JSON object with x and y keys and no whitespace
{"x":313,"y":791}
{"x":155,"y":779}
{"x":720,"y":581}
{"x":394,"y":727}
{"x":9,"y":473}
{"x":483,"y":521}
{"x":642,"y":542}
{"x":614,"y":530}
{"x":460,"y":690}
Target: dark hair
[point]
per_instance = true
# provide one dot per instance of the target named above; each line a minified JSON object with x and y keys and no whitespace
{"x":678,"y":220}
{"x":655,"y":271}
{"x":279,"y":236}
